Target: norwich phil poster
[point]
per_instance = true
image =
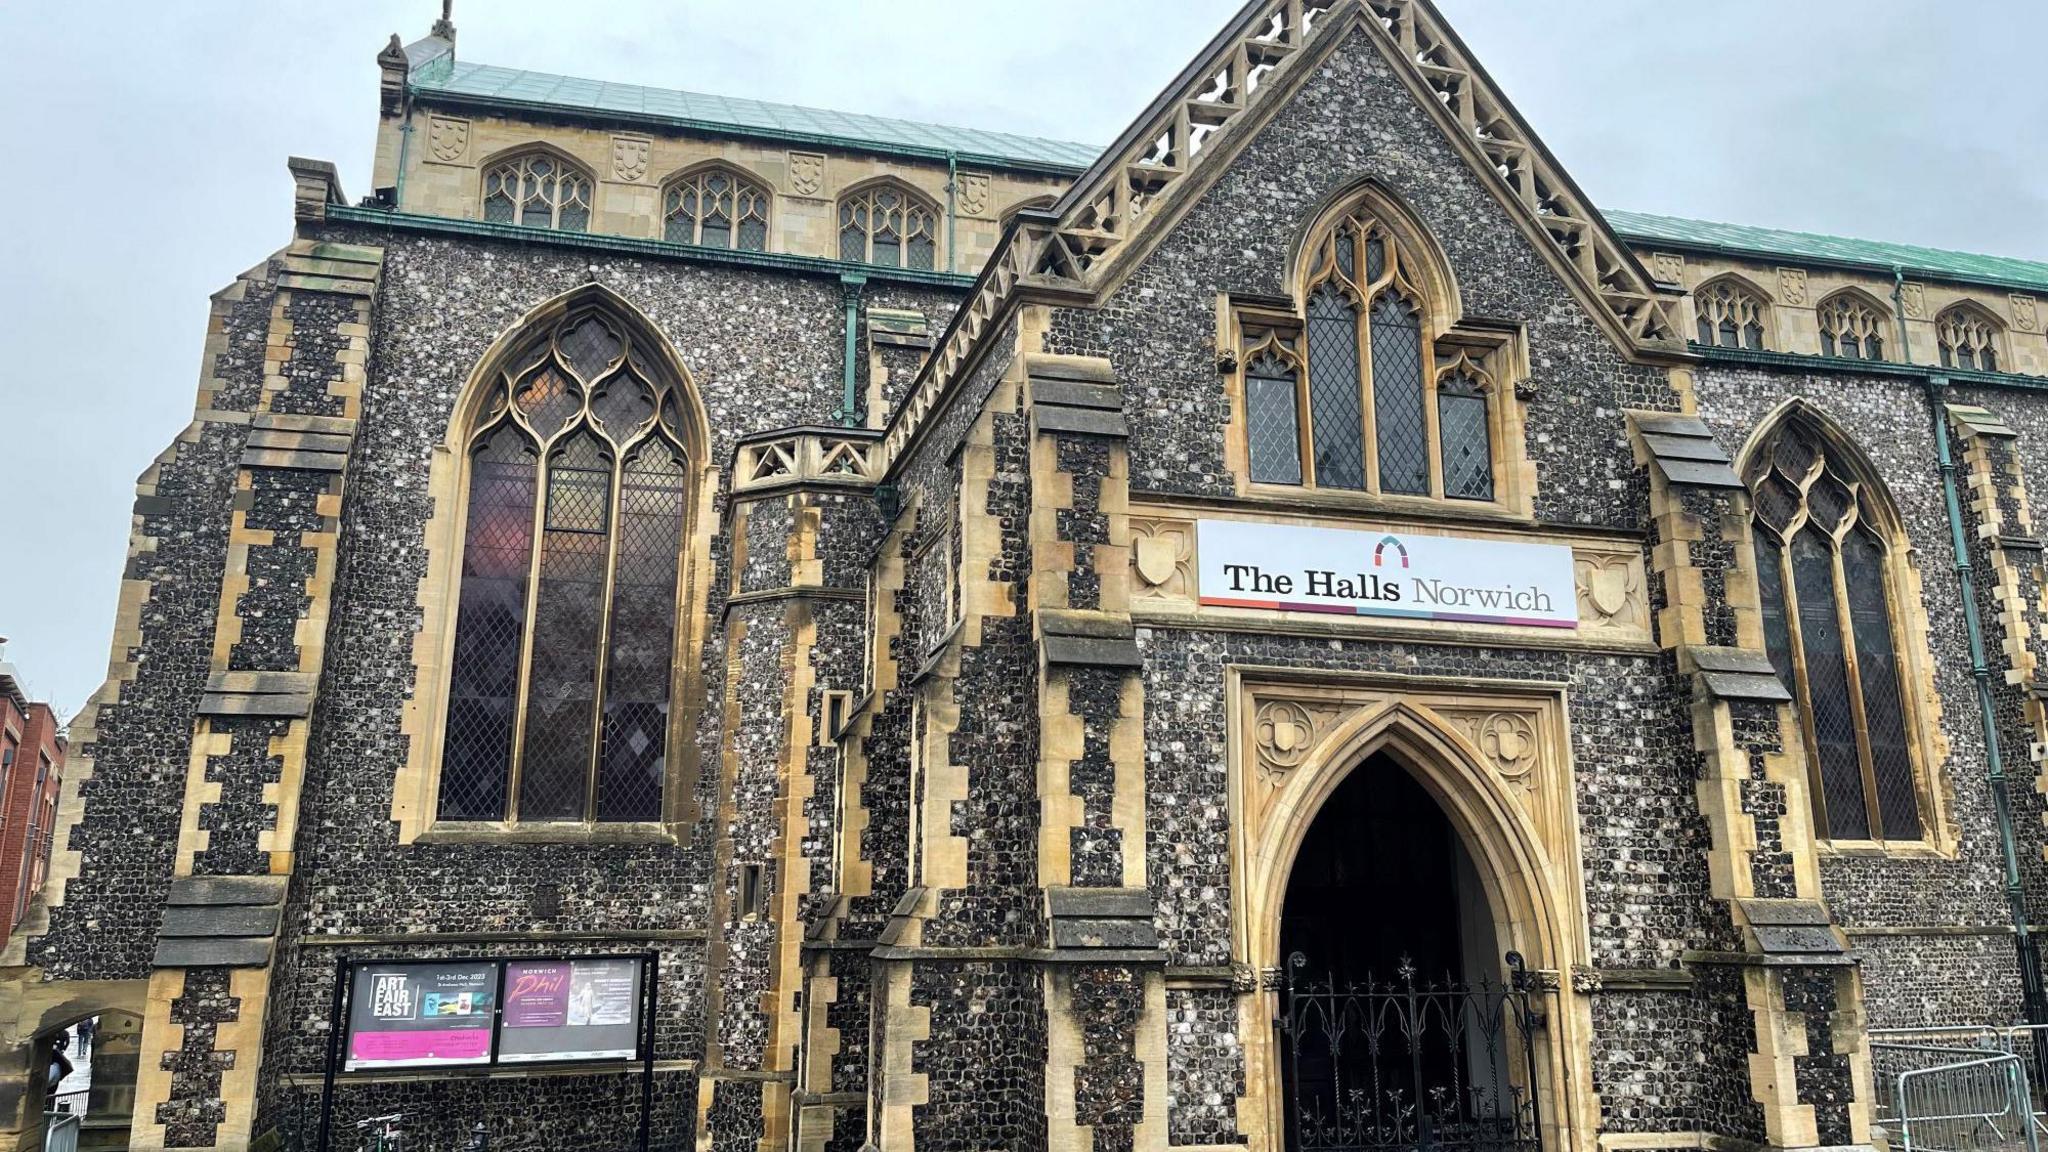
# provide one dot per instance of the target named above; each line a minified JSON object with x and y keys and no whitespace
{"x":570,"y":1010}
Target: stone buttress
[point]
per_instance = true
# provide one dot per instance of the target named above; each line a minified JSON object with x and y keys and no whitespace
{"x":1781,"y":963}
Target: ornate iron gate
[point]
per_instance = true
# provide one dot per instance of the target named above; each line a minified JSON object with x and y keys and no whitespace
{"x":1382,"y":1067}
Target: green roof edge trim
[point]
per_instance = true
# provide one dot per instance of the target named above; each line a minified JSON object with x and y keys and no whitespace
{"x":1878,"y":256}
{"x":637,"y":246}
{"x":444,"y":98}
{"x":1758,"y":359}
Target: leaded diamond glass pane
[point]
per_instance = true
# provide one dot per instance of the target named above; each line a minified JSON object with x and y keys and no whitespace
{"x":1770,"y":586}
{"x":1828,"y":501}
{"x":924,"y":255}
{"x":575,"y":218}
{"x":717,"y":232}
{"x":499,"y":208}
{"x":555,"y":759}
{"x":1335,"y":415}
{"x":888,"y":252}
{"x":590,"y":347}
{"x":853,"y":244}
{"x":1990,"y":359}
{"x":1375,"y":259}
{"x":1777,"y":502}
{"x":634,"y":758}
{"x":753,"y":235}
{"x":1402,"y":432}
{"x":1830,"y":707}
{"x":1272,"y":424}
{"x":1467,"y":444}
{"x":1877,"y":668}
{"x":1347,"y":255}
{"x":490,"y":622}
{"x":549,"y":398}
{"x":622,"y":404}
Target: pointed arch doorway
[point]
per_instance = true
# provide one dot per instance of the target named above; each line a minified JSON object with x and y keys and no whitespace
{"x":1403,"y":836}
{"x":1403,"y":1025}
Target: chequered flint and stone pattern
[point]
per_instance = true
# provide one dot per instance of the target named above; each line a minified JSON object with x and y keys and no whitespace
{"x":1109,"y":1082}
{"x":235,"y":821}
{"x":127,"y":841}
{"x":1204,"y":1066}
{"x":193,"y":1115}
{"x":1822,"y":1077}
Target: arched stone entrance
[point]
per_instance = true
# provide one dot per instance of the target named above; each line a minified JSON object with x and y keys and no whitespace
{"x":1481,"y":775}
{"x":32,"y":1014}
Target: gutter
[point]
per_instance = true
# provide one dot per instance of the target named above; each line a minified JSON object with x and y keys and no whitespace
{"x":952,"y":211}
{"x":2031,"y":992}
{"x":851,"y":285}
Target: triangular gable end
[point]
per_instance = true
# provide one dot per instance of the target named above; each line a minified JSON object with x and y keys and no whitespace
{"x":1079,"y":250}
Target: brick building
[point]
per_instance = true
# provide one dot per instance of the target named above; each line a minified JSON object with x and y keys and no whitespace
{"x":996,"y":624}
{"x":31,"y":773}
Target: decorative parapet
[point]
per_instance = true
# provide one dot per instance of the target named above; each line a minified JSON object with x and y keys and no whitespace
{"x":794,"y":457}
{"x":315,"y":185}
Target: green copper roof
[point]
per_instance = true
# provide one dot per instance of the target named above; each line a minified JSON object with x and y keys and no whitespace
{"x":484,"y":82}
{"x":1739,"y":240}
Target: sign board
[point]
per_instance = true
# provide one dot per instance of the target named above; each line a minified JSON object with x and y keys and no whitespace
{"x":1345,"y":572}
{"x":570,"y":1010}
{"x":449,"y":1014}
{"x":421,"y":1015}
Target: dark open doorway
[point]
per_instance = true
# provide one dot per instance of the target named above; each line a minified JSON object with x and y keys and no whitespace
{"x":1401,"y":1023}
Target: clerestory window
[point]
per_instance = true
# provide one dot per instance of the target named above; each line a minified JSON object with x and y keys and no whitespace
{"x":716,"y":208}
{"x":538,"y":190}
{"x":578,"y":498}
{"x":1968,"y":338}
{"x":889,"y":225}
{"x":1825,"y":563}
{"x":1852,"y":327}
{"x":1731,"y":315}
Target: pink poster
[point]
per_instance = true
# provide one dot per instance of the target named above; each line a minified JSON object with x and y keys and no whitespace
{"x":536,"y":994}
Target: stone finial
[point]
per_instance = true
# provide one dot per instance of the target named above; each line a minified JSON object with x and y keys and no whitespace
{"x":444,"y":28}
{"x":392,"y":69}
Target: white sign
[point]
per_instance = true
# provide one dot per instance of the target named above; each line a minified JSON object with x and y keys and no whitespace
{"x":1292,"y":568}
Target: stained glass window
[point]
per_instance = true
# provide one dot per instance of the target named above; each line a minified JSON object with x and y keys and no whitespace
{"x":1823,"y":579}
{"x":538,"y":190}
{"x":717,"y":209}
{"x":889,"y":225}
{"x":1968,"y":339}
{"x":578,"y":497}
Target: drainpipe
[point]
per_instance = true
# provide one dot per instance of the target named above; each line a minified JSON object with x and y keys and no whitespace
{"x":850,"y":285}
{"x":2036,"y":1005}
{"x":952,"y":210}
{"x":404,"y":146}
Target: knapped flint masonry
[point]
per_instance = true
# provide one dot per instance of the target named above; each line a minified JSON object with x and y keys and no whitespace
{"x":794,"y":547}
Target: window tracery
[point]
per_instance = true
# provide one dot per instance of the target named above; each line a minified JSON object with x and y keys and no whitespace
{"x":1350,"y":400}
{"x":1968,"y":339}
{"x":716,"y":208}
{"x":889,"y":225}
{"x":1852,"y":328}
{"x":538,"y":190}
{"x":1730,"y":315}
{"x":566,"y":621}
{"x":1825,"y":563}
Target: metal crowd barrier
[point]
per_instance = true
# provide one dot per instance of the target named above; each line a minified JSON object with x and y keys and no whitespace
{"x":1957,"y":1098}
{"x":60,"y":1132}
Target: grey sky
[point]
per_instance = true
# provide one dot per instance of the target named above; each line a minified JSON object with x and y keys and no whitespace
{"x":147,"y":144}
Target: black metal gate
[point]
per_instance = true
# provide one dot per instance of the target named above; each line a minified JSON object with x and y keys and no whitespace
{"x":1401,"y":1066}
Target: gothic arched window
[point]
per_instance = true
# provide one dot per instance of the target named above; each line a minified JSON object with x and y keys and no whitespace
{"x":538,"y":190}
{"x":717,"y":208}
{"x":1730,"y":315}
{"x":1355,"y":403}
{"x":890,"y":225}
{"x":1825,"y":563}
{"x":1852,"y":327}
{"x":1968,"y":337}
{"x":577,"y":509}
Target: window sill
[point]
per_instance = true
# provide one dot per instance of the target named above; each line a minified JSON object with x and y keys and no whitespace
{"x":1329,"y":500}
{"x":500,"y":832}
{"x":1885,"y":849}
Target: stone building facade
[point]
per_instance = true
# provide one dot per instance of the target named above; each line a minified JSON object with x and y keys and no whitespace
{"x":998,"y":625}
{"x":32,"y":747}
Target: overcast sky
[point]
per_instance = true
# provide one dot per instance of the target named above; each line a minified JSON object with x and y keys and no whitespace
{"x":147,"y":144}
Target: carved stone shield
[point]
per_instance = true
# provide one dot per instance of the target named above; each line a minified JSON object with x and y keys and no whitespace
{"x":1609,"y":589}
{"x":1157,"y":559}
